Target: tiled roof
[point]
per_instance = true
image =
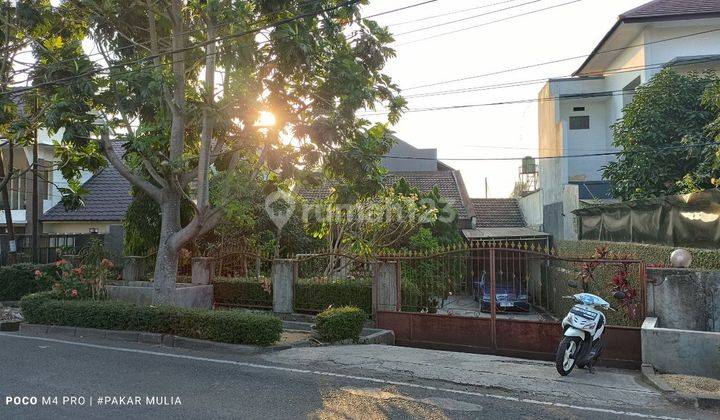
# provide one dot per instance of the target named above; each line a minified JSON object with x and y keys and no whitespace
{"x":671,"y":8}
{"x":498,"y":212}
{"x":108,"y":199}
{"x":448,"y":183}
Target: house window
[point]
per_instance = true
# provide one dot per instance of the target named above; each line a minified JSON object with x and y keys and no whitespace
{"x":580,"y":123}
{"x":579,"y":109}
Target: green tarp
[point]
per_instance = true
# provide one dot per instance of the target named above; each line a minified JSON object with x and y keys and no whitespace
{"x":691,"y":220}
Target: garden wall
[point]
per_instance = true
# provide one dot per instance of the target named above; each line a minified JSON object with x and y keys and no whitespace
{"x":651,"y":254}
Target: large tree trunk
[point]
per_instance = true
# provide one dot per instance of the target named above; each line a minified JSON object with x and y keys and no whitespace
{"x":166,"y":263}
{"x":6,"y":199}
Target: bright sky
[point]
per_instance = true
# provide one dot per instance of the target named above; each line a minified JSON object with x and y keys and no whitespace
{"x":490,"y":131}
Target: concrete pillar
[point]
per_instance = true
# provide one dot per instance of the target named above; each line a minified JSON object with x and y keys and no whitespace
{"x":203,"y":270}
{"x":133,"y":269}
{"x":386,"y":286}
{"x":283,"y":285}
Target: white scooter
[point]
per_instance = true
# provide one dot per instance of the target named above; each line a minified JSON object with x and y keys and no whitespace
{"x":582,"y":330}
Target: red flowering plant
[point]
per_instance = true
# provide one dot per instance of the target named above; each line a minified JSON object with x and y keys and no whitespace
{"x":620,"y":283}
{"x":83,"y":282}
{"x":587,"y":269}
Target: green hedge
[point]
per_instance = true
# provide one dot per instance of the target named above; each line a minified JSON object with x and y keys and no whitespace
{"x":240,"y":291}
{"x":337,"y":324}
{"x":19,"y":280}
{"x":311,"y":295}
{"x":651,"y":254}
{"x":224,"y":326}
{"x":319,"y":294}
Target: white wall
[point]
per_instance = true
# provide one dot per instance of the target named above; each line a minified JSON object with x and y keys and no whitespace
{"x":531,"y":207}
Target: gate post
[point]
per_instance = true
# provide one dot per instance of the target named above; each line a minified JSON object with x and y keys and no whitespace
{"x":386,"y":286}
{"x":493,"y":303}
{"x":283,"y":285}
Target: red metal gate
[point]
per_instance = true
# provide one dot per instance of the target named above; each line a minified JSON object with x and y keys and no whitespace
{"x":535,"y":275}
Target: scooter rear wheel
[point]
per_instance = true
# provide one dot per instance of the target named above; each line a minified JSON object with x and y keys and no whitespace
{"x":565,"y":355}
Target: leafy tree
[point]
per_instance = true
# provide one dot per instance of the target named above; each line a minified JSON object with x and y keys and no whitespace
{"x":444,"y":227}
{"x":367,"y":226}
{"x":18,"y":19}
{"x":667,"y":114}
{"x":182,"y":85}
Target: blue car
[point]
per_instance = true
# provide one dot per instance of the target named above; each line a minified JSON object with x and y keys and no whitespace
{"x":507,"y":298}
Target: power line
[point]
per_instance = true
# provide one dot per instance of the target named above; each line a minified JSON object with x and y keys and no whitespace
{"x":400,"y":9}
{"x":201,"y":44}
{"x":490,"y":23}
{"x":569,"y":97}
{"x":451,"y":13}
{"x":587,"y":95}
{"x":466,"y":18}
{"x":586,"y":155}
{"x":183,"y":49}
{"x":560,"y":60}
{"x":613,"y":71}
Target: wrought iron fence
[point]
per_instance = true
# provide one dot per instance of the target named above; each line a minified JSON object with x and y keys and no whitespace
{"x":51,"y":247}
{"x":523,"y":277}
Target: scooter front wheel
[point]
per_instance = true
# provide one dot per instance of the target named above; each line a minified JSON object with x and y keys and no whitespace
{"x":565,"y":355}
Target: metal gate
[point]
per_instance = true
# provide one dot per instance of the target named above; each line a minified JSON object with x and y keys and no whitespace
{"x":507,"y":299}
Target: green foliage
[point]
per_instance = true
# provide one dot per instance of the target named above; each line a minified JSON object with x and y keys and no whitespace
{"x":337,"y":324}
{"x":445,"y":226}
{"x":229,"y":326}
{"x":318,"y":294}
{"x":307,"y":72}
{"x":652,"y":254}
{"x":311,"y":295}
{"x":142,"y":223}
{"x":241,"y":291}
{"x":667,"y":112}
{"x":423,"y":240}
{"x":382,"y":221}
{"x":19,"y":280}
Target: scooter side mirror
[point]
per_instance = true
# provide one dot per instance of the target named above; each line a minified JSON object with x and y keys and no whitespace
{"x":619,"y":295}
{"x":573,"y":285}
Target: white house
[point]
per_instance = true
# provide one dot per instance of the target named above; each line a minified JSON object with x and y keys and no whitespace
{"x":575,"y":114}
{"x":20,"y":187}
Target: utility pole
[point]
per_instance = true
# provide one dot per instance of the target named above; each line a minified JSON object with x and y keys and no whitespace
{"x":35,"y":195}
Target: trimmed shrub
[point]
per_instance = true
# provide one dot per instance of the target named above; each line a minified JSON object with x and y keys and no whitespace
{"x":19,"y":280}
{"x":319,"y":294}
{"x":337,"y":324}
{"x":651,"y":254}
{"x":241,"y":291}
{"x":236,"y":327}
{"x":311,"y":295}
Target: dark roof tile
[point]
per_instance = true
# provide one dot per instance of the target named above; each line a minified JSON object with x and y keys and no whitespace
{"x":498,"y":212}
{"x":672,"y":8}
{"x":108,"y":199}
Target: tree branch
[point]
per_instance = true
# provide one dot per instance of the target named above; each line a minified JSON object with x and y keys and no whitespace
{"x":134,"y":178}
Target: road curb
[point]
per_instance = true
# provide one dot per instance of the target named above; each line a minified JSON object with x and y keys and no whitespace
{"x":9,"y":326}
{"x":648,"y":372}
{"x":165,"y":340}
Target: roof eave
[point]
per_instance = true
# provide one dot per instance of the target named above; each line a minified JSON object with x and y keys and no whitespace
{"x":646,"y":19}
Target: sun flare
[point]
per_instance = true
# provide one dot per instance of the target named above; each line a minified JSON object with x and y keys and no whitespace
{"x":266,"y":119}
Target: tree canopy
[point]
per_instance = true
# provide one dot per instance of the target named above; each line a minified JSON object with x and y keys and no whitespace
{"x":181,"y":85}
{"x":656,"y":134}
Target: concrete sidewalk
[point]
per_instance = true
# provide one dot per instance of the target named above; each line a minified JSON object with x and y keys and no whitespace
{"x":531,"y":379}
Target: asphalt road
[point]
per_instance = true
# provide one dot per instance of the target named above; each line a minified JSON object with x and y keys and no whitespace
{"x":99,"y":379}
